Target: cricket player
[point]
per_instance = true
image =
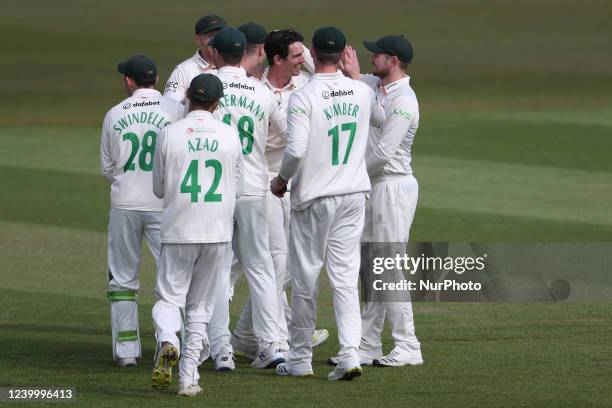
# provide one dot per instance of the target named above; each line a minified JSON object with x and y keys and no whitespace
{"x":328,"y":121}
{"x":198,"y":173}
{"x":248,"y":106}
{"x":286,"y":56}
{"x":255,"y":55}
{"x":392,"y":204}
{"x":127,"y":145}
{"x":201,"y":62}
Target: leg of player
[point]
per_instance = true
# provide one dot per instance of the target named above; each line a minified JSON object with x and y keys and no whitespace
{"x":173,"y":275}
{"x":210,"y":263}
{"x":306,"y":258}
{"x":218,"y":329}
{"x":343,"y":260}
{"x":252,"y":250}
{"x":396,"y":202}
{"x":124,"y":245}
{"x":277,"y":216}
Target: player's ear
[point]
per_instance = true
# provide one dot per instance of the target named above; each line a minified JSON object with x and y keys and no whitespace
{"x":214,"y":106}
{"x":196,"y":40}
{"x":313,"y":53}
{"x":156,"y":80}
{"x":277,"y":59}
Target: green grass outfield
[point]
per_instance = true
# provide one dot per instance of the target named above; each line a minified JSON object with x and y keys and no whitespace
{"x":514,"y":145}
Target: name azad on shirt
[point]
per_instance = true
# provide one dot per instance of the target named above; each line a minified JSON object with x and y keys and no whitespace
{"x":200,"y":145}
{"x":153,"y":118}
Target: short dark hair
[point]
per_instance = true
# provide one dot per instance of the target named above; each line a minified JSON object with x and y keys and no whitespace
{"x":195,"y":104}
{"x":403,"y":65}
{"x":328,"y":58}
{"x":231,"y":59}
{"x":250,"y":49}
{"x":278,"y":42}
{"x":144,"y":84}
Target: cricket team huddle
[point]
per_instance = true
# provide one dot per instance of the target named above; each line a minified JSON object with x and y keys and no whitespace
{"x":265,"y":158}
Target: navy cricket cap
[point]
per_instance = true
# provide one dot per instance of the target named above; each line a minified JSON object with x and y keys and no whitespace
{"x":395,"y":45}
{"x":229,"y":41}
{"x":205,"y":88}
{"x":329,"y":39}
{"x":139,"y":67}
{"x":254,"y":33}
{"x":208,"y":23}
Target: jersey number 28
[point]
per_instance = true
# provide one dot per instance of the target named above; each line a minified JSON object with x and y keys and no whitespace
{"x":145,"y":158}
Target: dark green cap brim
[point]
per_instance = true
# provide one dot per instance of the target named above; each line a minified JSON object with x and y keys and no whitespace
{"x":121,"y":67}
{"x":373,"y":47}
{"x":212,"y":27}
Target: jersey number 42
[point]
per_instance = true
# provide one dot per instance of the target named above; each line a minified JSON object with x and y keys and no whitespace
{"x":191,"y":185}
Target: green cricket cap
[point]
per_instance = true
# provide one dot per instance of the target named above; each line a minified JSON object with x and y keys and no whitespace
{"x":329,"y":39}
{"x":254,"y":33}
{"x":229,"y":41}
{"x":139,"y":67}
{"x":205,"y":88}
{"x":208,"y":23}
{"x":395,"y":45}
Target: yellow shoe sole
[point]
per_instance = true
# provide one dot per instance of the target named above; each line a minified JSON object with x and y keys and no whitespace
{"x":351,"y":374}
{"x":162,"y":373}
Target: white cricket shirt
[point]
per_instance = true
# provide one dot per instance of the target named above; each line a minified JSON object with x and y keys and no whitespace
{"x":198,"y":172}
{"x":127,"y":145}
{"x":276,"y":140}
{"x":181,"y":77}
{"x":249,"y":107}
{"x":328,"y":125}
{"x":389,"y":148}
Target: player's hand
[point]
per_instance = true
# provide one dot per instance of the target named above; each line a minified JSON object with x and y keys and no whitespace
{"x":278,"y":186}
{"x":349,"y":64}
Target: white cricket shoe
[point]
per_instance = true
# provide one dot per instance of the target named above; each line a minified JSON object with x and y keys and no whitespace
{"x":344,"y":374}
{"x":189,"y":390}
{"x":397,"y":359}
{"x":224,"y":361}
{"x":270,"y":357}
{"x":283,"y":371}
{"x":242,"y":349}
{"x":127,"y":362}
{"x":319,"y":337}
{"x":166,"y":357}
{"x":366,"y":358}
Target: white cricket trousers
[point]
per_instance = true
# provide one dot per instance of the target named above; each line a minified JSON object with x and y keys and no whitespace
{"x":250,"y":244}
{"x":326,"y":233}
{"x":125,"y":231}
{"x":389,"y":214}
{"x":188,"y":277}
{"x":277,"y":217}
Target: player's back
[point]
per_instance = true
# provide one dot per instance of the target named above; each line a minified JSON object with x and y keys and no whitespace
{"x":201,"y":156}
{"x":181,"y":76}
{"x":247,"y":106}
{"x":336,"y":110}
{"x":128,"y":143}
